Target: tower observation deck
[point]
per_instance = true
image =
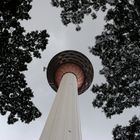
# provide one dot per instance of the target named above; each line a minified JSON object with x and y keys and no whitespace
{"x":70,"y":74}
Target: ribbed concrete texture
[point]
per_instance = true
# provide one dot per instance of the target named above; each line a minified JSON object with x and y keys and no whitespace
{"x":63,"y":121}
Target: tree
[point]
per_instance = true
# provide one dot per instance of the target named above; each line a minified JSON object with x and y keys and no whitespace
{"x":131,"y":132}
{"x":118,"y":48}
{"x":18,"y":48}
{"x":74,"y":11}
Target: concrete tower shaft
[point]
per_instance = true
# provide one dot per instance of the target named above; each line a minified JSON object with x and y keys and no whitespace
{"x":69,"y":73}
{"x":63,"y":122}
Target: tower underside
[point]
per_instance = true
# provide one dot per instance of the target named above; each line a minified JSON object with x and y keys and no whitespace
{"x":63,"y":122}
{"x":74,"y":58}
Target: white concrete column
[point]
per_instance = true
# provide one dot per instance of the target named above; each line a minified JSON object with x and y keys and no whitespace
{"x":63,"y":122}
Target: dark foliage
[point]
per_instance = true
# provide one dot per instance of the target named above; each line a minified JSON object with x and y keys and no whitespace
{"x":74,"y":11}
{"x":119,"y":49}
{"x":17,"y":48}
{"x":130,"y":132}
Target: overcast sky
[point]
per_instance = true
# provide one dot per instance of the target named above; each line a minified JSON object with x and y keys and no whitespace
{"x":94,"y":124}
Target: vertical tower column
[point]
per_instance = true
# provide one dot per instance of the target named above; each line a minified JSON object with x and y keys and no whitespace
{"x":63,"y":122}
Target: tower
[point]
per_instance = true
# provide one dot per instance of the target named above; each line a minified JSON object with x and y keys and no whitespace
{"x":69,"y":73}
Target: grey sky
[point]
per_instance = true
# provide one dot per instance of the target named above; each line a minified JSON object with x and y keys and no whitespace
{"x":93,"y":122}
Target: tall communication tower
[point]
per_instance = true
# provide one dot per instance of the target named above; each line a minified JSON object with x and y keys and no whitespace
{"x":69,"y":73}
